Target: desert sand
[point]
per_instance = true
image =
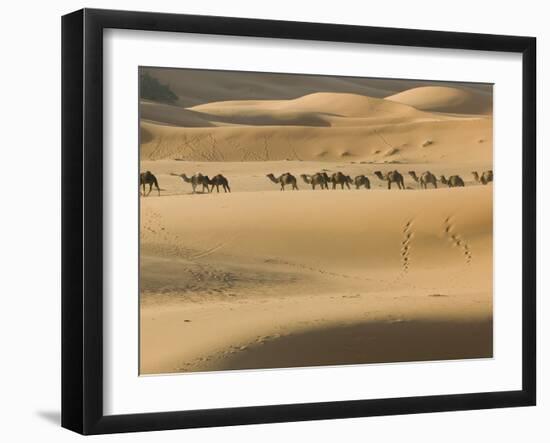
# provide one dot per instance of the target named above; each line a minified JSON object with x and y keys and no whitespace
{"x":259,"y":278}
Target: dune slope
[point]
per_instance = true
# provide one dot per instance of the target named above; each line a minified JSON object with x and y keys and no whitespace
{"x":446,"y":99}
{"x":298,"y":264}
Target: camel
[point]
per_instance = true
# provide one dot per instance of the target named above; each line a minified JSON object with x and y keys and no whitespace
{"x":362,"y":180}
{"x":326,"y":177}
{"x":320,"y":179}
{"x":340,"y":179}
{"x":217,"y":181}
{"x":426,"y":178}
{"x":391,"y":177}
{"x":486,"y":176}
{"x":147,"y":178}
{"x":285,"y":179}
{"x":195,"y":180}
{"x":454,"y":181}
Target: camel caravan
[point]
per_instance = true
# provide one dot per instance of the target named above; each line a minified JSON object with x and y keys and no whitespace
{"x":205,"y":181}
{"x":337,"y":179}
{"x":320,"y":180}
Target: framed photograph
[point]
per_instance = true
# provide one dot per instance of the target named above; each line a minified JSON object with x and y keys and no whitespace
{"x":269,"y":221}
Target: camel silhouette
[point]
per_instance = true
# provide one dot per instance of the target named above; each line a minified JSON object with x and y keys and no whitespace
{"x":217,"y":181}
{"x":147,"y":178}
{"x":391,"y":177}
{"x":285,"y":179}
{"x":326,"y":177}
{"x":486,"y":176}
{"x":318,"y":179}
{"x":454,"y":181}
{"x":341,"y":179}
{"x":425,"y":178}
{"x":362,"y":180}
{"x":195,"y":180}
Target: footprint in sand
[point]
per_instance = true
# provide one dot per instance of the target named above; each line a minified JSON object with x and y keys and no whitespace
{"x":450,"y":233}
{"x":406,"y":246}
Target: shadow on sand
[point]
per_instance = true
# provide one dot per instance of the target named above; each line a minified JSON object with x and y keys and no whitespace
{"x":380,"y":342}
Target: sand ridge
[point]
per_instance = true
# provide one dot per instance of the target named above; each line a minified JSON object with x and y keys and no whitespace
{"x":446,"y":99}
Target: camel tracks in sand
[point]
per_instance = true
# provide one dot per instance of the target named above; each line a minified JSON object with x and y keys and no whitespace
{"x":406,"y":246}
{"x":449,"y":230}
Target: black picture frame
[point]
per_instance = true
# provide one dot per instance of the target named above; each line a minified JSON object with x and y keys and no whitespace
{"x":82,"y":218}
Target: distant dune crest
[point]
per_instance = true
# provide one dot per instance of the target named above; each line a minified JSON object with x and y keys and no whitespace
{"x":446,"y":99}
{"x":331,"y":103}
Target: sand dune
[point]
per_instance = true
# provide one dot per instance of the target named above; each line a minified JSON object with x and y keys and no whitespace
{"x":195,"y":87}
{"x":446,"y":99}
{"x":395,"y":140}
{"x":331,"y":104}
{"x":172,"y":115}
{"x":320,"y":126}
{"x":297,"y":264}
{"x":316,"y":110}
